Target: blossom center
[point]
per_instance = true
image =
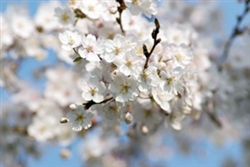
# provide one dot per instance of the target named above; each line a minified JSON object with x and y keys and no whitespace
{"x":71,"y":40}
{"x":129,"y":63}
{"x":42,"y":129}
{"x":91,"y":8}
{"x":72,"y":2}
{"x":90,"y":48}
{"x":144,"y":76}
{"x":148,"y":114}
{"x":110,"y":35}
{"x":179,"y":57}
{"x":65,"y":17}
{"x":135,"y":2}
{"x":139,"y":51}
{"x":114,"y":109}
{"x":79,"y":118}
{"x":20,"y":25}
{"x":117,"y":50}
{"x":93,"y":91}
{"x":170,"y":80}
{"x":176,"y":38}
{"x":125,"y":89}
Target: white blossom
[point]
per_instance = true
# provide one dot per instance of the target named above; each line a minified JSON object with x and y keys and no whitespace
{"x":22,"y":26}
{"x":148,"y":117}
{"x":70,"y":39}
{"x":93,"y":9}
{"x":162,"y":98}
{"x":40,"y":129}
{"x":45,"y":19}
{"x":61,"y":86}
{"x":148,"y":78}
{"x":91,"y":48}
{"x":65,"y":16}
{"x":124,"y":88}
{"x":130,"y":63}
{"x":80,"y":118}
{"x":93,"y":90}
{"x":175,"y":120}
{"x":181,"y":55}
{"x":111,"y":113}
{"x":171,"y":80}
{"x":115,"y":49}
{"x":146,"y":6}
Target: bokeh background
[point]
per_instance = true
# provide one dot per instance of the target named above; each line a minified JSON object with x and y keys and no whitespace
{"x":204,"y":153}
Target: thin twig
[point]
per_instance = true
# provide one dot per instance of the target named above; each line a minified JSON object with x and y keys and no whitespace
{"x":90,"y":103}
{"x":76,"y":52}
{"x":120,"y":10}
{"x":156,"y":42}
{"x":237,"y":31}
{"x":213,"y":117}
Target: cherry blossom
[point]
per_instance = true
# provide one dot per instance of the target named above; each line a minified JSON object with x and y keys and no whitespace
{"x":93,"y":90}
{"x":80,"y":118}
{"x":91,"y":48}
{"x":70,"y":39}
{"x":65,"y":16}
{"x":125,"y":88}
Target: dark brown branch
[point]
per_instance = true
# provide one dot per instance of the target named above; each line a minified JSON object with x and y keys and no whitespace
{"x":154,"y":34}
{"x":80,"y":15}
{"x":214,"y":119}
{"x":90,"y":103}
{"x":120,"y":10}
{"x":212,"y":116}
{"x":236,"y":32}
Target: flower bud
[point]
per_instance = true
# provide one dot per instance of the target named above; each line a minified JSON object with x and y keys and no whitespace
{"x":73,"y":107}
{"x":128,"y":118}
{"x":158,"y":40}
{"x":145,"y":50}
{"x":64,"y":120}
{"x":157,"y":24}
{"x":144,"y":129}
{"x":65,"y":153}
{"x":113,"y":10}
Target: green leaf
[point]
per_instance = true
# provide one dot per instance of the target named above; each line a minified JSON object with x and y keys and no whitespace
{"x":77,"y":59}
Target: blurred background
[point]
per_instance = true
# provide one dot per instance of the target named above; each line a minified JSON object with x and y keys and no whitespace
{"x":178,"y":151}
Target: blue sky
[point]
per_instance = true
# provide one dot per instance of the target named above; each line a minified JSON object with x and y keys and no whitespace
{"x":215,"y":156}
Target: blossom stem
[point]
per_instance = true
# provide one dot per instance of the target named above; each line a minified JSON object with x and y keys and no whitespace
{"x":76,"y":52}
{"x":78,"y":58}
{"x":76,"y":22}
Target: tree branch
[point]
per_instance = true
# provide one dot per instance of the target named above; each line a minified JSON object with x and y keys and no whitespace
{"x":154,"y":34}
{"x":237,"y":31}
{"x":90,"y":103}
{"x":120,"y":10}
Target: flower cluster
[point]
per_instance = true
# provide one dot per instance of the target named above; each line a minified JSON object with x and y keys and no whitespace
{"x":124,"y":71}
